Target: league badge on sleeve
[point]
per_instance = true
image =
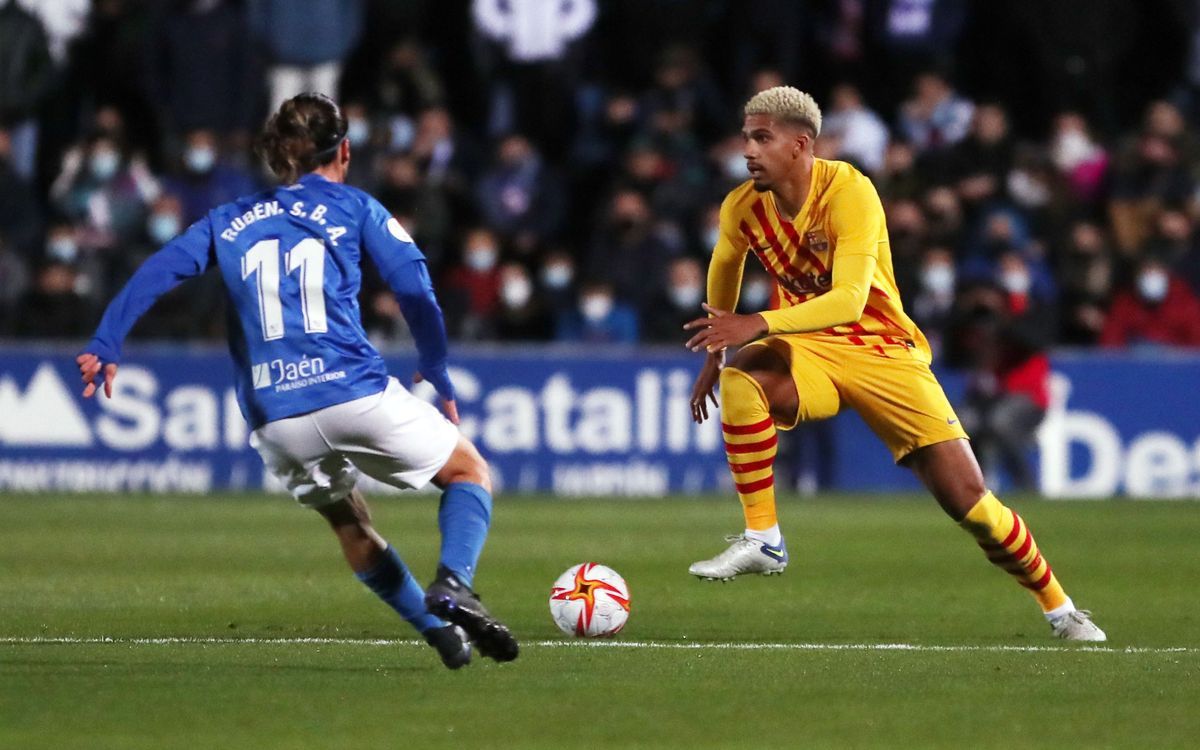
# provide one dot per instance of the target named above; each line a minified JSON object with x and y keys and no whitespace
{"x":398,"y":231}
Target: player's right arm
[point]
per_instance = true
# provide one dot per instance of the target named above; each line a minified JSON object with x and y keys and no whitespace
{"x":188,"y":255}
{"x":402,"y":266}
{"x":728,"y":259}
{"x":724,"y":287}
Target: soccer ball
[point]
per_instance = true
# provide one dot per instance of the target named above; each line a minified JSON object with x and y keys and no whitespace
{"x":590,"y":600}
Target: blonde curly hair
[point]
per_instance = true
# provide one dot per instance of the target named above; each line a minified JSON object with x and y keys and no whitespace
{"x":788,"y":104}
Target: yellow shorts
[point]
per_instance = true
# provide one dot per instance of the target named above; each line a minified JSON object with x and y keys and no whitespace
{"x":893,"y":390}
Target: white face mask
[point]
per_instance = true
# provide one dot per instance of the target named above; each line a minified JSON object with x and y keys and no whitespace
{"x":104,"y":164}
{"x":481,"y":259}
{"x":400,"y":133}
{"x":756,"y":294}
{"x":62,"y":248}
{"x":596,"y":307}
{"x":516,"y":292}
{"x":1026,"y":190}
{"x":685,"y":297}
{"x":1015,"y":282}
{"x":1071,"y":149}
{"x":162,"y":228}
{"x":938,"y":278}
{"x":1152,"y":285}
{"x":200,"y":159}
{"x":558,"y":276}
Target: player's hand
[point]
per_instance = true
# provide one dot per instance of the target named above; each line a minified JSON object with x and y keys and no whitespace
{"x":706,"y":382}
{"x":449,"y":406}
{"x":89,"y":367}
{"x":723,"y":329}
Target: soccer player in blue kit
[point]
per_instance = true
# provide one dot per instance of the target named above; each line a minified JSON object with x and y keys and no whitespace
{"x":313,"y":390}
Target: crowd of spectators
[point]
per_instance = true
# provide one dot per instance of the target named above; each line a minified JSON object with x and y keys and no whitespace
{"x":561,"y":164}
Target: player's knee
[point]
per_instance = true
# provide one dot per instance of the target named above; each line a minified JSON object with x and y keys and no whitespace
{"x":738,"y":386}
{"x":466,"y":465}
{"x":483,"y":474}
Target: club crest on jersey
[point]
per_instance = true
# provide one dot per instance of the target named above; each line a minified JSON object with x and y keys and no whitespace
{"x":817,"y":240}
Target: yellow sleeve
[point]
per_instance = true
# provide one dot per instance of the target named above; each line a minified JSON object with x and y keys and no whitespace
{"x":842,"y":304}
{"x":856,"y":223}
{"x":728,"y":261}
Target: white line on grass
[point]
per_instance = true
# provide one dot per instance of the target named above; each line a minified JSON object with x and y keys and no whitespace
{"x":601,"y":644}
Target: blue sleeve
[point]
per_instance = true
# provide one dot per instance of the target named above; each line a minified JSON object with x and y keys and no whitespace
{"x":402,"y":266}
{"x":385,"y":240}
{"x":186,"y":256}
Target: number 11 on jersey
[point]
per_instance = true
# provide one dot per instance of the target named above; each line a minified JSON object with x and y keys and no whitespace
{"x":262,"y":261}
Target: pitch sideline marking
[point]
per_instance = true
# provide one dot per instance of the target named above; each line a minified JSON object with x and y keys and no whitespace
{"x":662,"y":645}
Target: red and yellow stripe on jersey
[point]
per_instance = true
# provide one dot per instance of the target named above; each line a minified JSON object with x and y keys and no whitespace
{"x":832,"y":263}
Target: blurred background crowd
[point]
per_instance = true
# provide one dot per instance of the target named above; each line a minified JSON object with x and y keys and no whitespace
{"x":561,"y":162}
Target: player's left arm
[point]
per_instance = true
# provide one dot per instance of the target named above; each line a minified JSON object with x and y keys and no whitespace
{"x":856,"y":223}
{"x":402,"y":266}
{"x":188,"y":255}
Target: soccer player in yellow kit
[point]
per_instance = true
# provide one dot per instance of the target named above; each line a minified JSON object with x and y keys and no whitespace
{"x":839,"y":336}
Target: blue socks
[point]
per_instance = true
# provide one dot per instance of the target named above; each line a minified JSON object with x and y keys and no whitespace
{"x":463,"y":517}
{"x":391,"y":582}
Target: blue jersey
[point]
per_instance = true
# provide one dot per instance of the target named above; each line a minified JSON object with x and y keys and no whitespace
{"x":290,"y":261}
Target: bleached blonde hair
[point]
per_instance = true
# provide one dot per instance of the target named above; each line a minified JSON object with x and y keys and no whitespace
{"x":788,"y":104}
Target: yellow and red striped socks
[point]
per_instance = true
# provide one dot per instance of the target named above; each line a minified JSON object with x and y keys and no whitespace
{"x":1009,"y":545}
{"x":750,"y":445}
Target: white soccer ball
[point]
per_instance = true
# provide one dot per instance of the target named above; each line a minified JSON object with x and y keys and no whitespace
{"x":590,"y":600}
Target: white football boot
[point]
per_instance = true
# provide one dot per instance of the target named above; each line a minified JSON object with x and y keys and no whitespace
{"x":1077,"y":626}
{"x":743,"y":556}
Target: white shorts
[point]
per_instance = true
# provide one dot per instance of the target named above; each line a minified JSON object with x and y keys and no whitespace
{"x":391,"y":436}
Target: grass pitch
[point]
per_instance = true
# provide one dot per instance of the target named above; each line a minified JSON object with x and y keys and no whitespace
{"x":235,"y":624}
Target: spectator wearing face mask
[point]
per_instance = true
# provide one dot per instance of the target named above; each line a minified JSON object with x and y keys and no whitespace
{"x":205,"y":181}
{"x":675,"y":305}
{"x":933,"y":305}
{"x":999,"y":335}
{"x":105,"y":192}
{"x":52,"y":308}
{"x":556,"y":282}
{"x":598,"y":318}
{"x":472,"y":289}
{"x":365,"y":148}
{"x":191,"y":309}
{"x":521,"y":316}
{"x":1078,"y":157}
{"x":1157,"y":309}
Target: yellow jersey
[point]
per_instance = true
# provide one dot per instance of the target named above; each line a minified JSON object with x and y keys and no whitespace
{"x":832,"y":263}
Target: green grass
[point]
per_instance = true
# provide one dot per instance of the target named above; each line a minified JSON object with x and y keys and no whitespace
{"x":863,"y":572}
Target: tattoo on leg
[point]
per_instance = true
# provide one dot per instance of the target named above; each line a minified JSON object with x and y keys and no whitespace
{"x":358,"y":505}
{"x":349,"y":511}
